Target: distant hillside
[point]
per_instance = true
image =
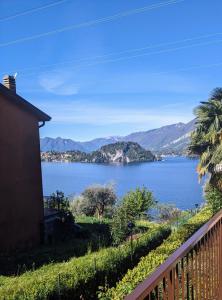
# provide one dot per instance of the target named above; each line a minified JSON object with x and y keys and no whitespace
{"x":98,"y":143}
{"x":171,"y":138}
{"x":59,"y":145}
{"x":120,"y":152}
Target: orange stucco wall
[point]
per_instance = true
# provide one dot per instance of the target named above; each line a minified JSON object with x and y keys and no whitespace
{"x":21,"y":205}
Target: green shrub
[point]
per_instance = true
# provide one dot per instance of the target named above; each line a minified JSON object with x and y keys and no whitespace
{"x":149,"y":263}
{"x":119,"y":225}
{"x":3,"y":280}
{"x":138,"y":202}
{"x":213,"y":197}
{"x":81,"y":276}
{"x":134,"y":204}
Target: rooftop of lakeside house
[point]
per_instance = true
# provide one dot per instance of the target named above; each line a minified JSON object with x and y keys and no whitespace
{"x":8,"y":90}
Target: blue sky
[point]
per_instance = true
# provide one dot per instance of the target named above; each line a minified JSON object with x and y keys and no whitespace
{"x":112,"y":76}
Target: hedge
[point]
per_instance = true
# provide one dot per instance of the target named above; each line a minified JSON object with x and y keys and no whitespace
{"x":81,"y":277}
{"x":149,"y":263}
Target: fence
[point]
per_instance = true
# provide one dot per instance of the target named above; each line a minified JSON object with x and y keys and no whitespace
{"x":193,"y":272}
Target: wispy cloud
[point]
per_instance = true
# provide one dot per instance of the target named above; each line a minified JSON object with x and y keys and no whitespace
{"x":94,"y":114}
{"x":59,"y":84}
{"x":91,"y":82}
{"x":94,"y":108}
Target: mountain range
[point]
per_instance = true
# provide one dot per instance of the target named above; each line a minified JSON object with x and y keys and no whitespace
{"x":171,"y":138}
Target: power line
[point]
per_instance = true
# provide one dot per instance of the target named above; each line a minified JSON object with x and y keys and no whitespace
{"x":153,"y":46}
{"x":132,"y":51}
{"x":33,"y":10}
{"x":158,"y":52}
{"x":93,"y":22}
{"x":131,"y":57}
{"x":193,"y":67}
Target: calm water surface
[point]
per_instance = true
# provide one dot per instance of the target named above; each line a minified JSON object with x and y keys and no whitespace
{"x":173,"y":180}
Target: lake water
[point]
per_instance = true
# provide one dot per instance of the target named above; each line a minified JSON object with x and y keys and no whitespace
{"x":173,"y":180}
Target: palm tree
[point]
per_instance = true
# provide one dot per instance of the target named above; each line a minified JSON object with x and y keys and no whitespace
{"x":206,"y":140}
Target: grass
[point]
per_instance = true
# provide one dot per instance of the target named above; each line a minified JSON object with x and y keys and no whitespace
{"x":91,"y":220}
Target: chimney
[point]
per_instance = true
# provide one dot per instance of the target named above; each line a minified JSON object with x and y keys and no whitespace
{"x":9,"y":82}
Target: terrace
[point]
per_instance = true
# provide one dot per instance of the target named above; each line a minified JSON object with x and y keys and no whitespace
{"x":191,"y":272}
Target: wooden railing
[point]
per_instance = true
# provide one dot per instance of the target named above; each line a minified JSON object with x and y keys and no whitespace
{"x":193,"y":272}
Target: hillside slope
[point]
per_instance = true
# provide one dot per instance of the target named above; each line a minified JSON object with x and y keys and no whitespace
{"x":120,"y":152}
{"x":59,"y":144}
{"x":174,"y":136}
{"x":168,"y":138}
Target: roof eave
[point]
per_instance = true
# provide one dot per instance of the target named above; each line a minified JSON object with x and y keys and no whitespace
{"x":18,"y":100}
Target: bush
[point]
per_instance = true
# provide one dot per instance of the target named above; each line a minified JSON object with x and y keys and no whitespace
{"x":119,"y":228}
{"x":133,"y":205}
{"x":81,"y":277}
{"x":138,"y":202}
{"x":149,"y":263}
{"x":3,"y":280}
{"x":213,"y":197}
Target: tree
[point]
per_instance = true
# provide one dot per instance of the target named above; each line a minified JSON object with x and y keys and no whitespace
{"x":81,"y":206}
{"x":99,"y":198}
{"x":133,"y":205}
{"x":216,"y":94}
{"x":138,"y":202}
{"x":58,"y":201}
{"x":206,"y":140}
{"x":119,"y":225}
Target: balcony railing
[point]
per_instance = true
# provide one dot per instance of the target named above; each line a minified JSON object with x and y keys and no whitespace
{"x":193,"y":272}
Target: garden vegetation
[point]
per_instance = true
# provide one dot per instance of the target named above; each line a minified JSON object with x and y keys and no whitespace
{"x":149,"y":263}
{"x":81,"y":277}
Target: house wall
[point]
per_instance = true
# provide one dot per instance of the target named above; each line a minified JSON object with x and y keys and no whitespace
{"x":21,"y":205}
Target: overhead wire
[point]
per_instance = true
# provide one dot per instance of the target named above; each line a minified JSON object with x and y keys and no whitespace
{"x":157,"y":52}
{"x":122,"y":58}
{"x":32,"y":10}
{"x":93,"y":22}
{"x":184,"y":69}
{"x":151,"y":46}
{"x":107,"y":19}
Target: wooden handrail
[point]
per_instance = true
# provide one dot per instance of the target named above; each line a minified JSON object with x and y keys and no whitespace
{"x":148,"y":285}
